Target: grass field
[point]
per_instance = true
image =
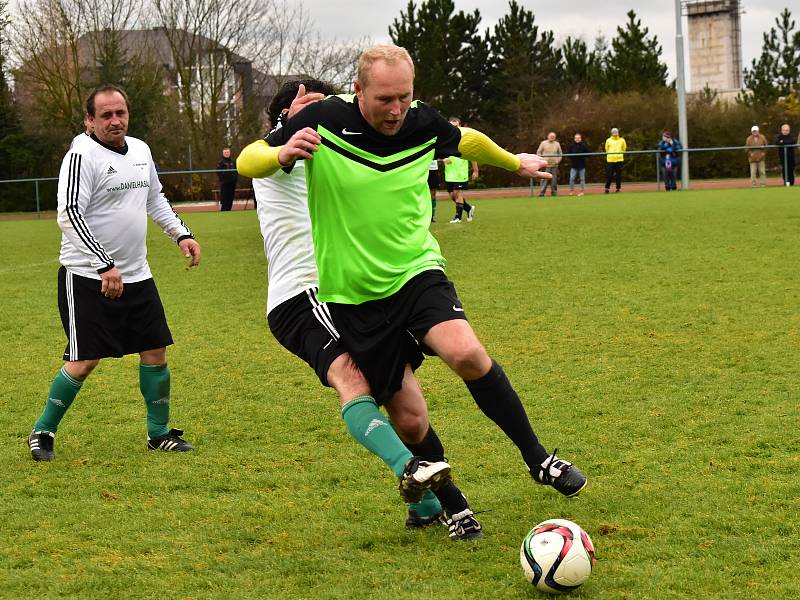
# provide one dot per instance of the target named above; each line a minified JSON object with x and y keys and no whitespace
{"x":653,"y":338}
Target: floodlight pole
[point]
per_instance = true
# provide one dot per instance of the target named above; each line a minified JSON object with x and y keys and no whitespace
{"x":683,"y":130}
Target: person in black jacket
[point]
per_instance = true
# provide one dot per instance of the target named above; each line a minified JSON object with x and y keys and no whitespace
{"x":577,"y":164}
{"x":786,"y":142}
{"x":227,"y":179}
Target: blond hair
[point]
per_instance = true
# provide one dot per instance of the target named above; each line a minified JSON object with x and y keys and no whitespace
{"x":387,"y":52}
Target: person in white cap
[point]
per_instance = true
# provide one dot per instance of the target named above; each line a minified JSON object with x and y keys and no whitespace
{"x":756,"y":154}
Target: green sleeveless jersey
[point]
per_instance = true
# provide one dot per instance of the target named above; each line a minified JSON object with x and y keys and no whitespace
{"x":368,"y":197}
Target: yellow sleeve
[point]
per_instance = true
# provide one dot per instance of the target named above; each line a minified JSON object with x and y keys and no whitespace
{"x":258,"y":159}
{"x":477,"y":146}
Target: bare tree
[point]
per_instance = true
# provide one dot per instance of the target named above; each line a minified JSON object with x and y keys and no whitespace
{"x":296,"y":49}
{"x":209,"y":41}
{"x":45,"y":41}
{"x":334,"y":62}
{"x":54,"y":55}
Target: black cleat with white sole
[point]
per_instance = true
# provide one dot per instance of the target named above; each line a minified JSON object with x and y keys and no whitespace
{"x":415,"y":521}
{"x":169,"y":442}
{"x":560,"y":474}
{"x":462,"y":526}
{"x":40,"y":443}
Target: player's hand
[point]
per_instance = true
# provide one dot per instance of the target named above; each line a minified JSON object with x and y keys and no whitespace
{"x":111,"y":283}
{"x":475,"y":176}
{"x":300,"y":145}
{"x":532,"y":165}
{"x":301,"y":100}
{"x":191,"y":250}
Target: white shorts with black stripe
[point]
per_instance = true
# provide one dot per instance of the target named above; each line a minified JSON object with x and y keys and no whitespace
{"x":304,"y":327}
{"x":100,"y":327}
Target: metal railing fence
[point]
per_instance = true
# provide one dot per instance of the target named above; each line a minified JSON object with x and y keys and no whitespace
{"x":784,"y":149}
{"x":166,"y":176}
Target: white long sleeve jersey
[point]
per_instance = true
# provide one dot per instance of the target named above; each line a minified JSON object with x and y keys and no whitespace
{"x":104,"y":197}
{"x":286,"y":228}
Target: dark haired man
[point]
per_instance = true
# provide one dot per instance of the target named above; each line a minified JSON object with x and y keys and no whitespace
{"x":786,"y":150}
{"x":380,"y":269}
{"x":227,"y":179}
{"x":108,"y":301}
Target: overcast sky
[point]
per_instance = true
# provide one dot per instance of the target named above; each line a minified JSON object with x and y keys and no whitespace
{"x":351,"y":19}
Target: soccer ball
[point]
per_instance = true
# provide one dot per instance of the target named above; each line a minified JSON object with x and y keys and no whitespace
{"x":557,"y":556}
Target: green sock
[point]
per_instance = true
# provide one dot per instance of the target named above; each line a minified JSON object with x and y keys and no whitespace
{"x":372,"y":430}
{"x":62,"y":392}
{"x":428,"y":506}
{"x":154,"y":385}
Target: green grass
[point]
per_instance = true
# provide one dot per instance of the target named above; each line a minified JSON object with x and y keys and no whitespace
{"x":653,"y":338}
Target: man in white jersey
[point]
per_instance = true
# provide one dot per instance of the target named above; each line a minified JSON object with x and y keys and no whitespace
{"x":108,"y":301}
{"x":303,"y":326}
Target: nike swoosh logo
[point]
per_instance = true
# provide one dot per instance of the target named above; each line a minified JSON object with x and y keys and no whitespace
{"x":455,"y":308}
{"x":345,"y":132}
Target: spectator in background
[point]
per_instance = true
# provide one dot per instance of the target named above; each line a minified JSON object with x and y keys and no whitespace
{"x":550,"y":150}
{"x":577,"y":164}
{"x":613,"y":146}
{"x":786,"y":150}
{"x":756,"y":155}
{"x":669,"y":150}
{"x":227,"y":179}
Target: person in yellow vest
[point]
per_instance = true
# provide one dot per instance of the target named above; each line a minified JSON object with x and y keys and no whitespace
{"x":614,"y":145}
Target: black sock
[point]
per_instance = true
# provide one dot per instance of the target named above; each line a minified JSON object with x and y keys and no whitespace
{"x":459,"y":210}
{"x":497,"y":399}
{"x":467,"y":206}
{"x":431,"y":449}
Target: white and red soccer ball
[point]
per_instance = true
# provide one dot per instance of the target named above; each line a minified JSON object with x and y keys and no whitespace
{"x":557,"y":556}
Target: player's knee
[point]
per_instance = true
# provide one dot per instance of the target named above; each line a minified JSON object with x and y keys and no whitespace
{"x":156,"y":356}
{"x":411,"y":426}
{"x":347,"y":379}
{"x":81,"y":369}
{"x":468,"y":360}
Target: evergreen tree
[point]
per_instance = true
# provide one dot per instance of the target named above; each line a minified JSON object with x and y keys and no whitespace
{"x":582,"y":67}
{"x":20,"y":154}
{"x":634,"y":62}
{"x":526,"y":69}
{"x":449,"y":54}
{"x":776,"y":72}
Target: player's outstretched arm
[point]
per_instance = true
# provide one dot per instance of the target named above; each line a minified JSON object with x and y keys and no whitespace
{"x":259,"y":159}
{"x":479,"y":147}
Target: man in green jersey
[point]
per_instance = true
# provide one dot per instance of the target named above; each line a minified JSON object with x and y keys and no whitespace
{"x":456,"y":176}
{"x":380,"y":269}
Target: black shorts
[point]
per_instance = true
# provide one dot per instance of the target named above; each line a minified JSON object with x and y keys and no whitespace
{"x":100,"y":327}
{"x":304,"y":327}
{"x":457,"y":185}
{"x":376,"y":333}
{"x":433,"y":178}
